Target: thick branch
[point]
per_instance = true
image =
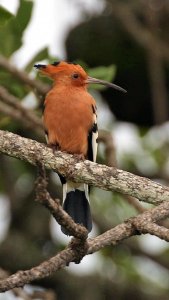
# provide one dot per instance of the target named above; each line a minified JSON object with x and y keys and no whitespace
{"x":37,"y":154}
{"x":98,"y":175}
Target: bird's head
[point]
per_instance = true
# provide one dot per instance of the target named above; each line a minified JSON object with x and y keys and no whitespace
{"x":72,"y":75}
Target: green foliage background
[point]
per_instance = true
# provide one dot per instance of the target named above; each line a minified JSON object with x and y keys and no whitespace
{"x":127,"y":271}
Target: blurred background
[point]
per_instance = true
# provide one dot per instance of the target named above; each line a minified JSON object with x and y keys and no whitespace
{"x":126,"y":42}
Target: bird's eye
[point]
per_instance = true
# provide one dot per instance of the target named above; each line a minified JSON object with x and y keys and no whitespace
{"x":75,"y":76}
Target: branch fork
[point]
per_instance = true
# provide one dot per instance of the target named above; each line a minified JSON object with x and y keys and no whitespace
{"x":102,"y":176}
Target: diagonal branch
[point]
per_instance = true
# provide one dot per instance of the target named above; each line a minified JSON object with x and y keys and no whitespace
{"x":23,"y":76}
{"x":139,"y":32}
{"x":114,"y":179}
{"x":130,"y":227}
{"x":12,"y":107}
{"x":45,"y":269}
{"x":134,"y":226}
{"x":94,"y":174}
{"x":43,"y":197}
{"x":107,"y":139}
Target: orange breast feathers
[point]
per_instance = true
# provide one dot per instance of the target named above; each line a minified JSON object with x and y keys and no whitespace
{"x":68,"y":118}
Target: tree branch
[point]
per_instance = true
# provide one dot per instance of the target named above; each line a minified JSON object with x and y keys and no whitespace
{"x":139,"y":32}
{"x":23,"y":76}
{"x":102,"y":176}
{"x":130,"y":227}
{"x":45,"y":269}
{"x":69,"y":166}
{"x":133,"y":226}
{"x":12,"y":107}
{"x":43,"y":197}
{"x":106,"y":138}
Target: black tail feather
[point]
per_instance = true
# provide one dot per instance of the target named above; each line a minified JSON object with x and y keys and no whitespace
{"x":77,"y":206}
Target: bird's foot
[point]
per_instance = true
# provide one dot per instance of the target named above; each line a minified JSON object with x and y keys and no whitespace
{"x":79,"y":156}
{"x":54,"y":147}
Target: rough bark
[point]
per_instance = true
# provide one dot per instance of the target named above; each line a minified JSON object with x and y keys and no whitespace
{"x":71,"y":167}
{"x":92,"y":173}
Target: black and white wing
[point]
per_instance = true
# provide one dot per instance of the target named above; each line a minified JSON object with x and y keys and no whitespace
{"x":93,"y":138}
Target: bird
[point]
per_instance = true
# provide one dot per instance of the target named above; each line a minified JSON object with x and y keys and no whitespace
{"x":70,"y":124}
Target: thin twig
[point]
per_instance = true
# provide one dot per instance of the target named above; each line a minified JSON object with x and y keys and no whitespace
{"x":79,"y":247}
{"x":133,"y":226}
{"x":11,"y":106}
{"x":131,"y":24}
{"x":130,"y":227}
{"x":43,"y":197}
{"x":23,"y":77}
{"x":45,"y":269}
{"x":110,"y":153}
{"x":18,"y":116}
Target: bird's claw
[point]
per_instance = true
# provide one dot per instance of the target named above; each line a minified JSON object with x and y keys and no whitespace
{"x":79,"y":156}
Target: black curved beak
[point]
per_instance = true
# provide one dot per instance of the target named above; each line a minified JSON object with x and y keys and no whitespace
{"x":106,"y":83}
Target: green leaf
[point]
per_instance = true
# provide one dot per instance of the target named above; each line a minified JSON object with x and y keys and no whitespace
{"x":12,"y":84}
{"x":105,"y":73}
{"x":11,"y":34}
{"x":5,"y":16}
{"x":42,"y":54}
{"x":23,"y":16}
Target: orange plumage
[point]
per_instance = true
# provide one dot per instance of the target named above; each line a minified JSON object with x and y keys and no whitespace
{"x":70,"y":125}
{"x":70,"y":119}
